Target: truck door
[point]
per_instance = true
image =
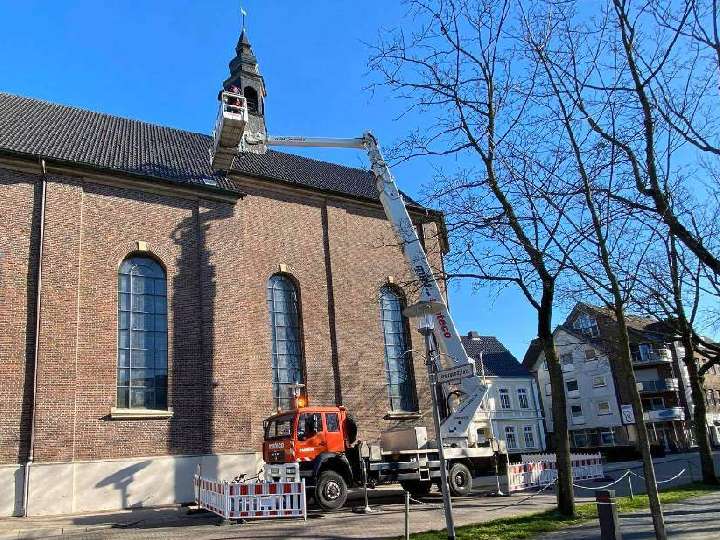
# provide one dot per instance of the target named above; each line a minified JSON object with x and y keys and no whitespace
{"x":310,"y":436}
{"x":333,"y":433}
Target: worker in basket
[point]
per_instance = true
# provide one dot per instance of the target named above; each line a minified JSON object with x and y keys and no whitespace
{"x":233,"y":104}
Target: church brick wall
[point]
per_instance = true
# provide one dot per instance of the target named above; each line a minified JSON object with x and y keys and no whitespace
{"x":218,"y":257}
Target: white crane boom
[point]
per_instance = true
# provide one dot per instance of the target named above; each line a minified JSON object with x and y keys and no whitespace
{"x":456,"y":427}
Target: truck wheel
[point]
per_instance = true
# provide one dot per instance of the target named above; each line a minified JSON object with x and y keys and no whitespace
{"x":330,"y":491}
{"x":416,"y":487}
{"x":460,"y":480}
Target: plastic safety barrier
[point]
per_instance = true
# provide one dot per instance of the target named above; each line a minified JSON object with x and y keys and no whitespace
{"x":251,"y":500}
{"x":530,"y":474}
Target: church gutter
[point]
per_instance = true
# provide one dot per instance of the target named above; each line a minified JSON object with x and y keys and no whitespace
{"x":38,"y":303}
{"x":112,"y":176}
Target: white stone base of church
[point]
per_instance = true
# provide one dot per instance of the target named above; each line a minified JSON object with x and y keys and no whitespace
{"x":114,"y":484}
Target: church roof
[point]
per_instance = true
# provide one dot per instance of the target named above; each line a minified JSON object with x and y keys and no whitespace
{"x":35,"y":128}
{"x":497,"y":360}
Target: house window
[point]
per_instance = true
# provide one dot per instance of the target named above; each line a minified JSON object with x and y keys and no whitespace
{"x":645,"y":352}
{"x":398,"y":363}
{"x":523,"y":398}
{"x":576,"y":411}
{"x":504,"y":398}
{"x":587,"y":325}
{"x":590,"y":354}
{"x":287,"y":360}
{"x":510,"y":438}
{"x":566,"y":359}
{"x":529,"y":437}
{"x":571,"y":385}
{"x":653,"y":404}
{"x":607,"y":437}
{"x":142,"y":335}
{"x":579,"y":439}
{"x":598,"y":381}
{"x":603,"y":407}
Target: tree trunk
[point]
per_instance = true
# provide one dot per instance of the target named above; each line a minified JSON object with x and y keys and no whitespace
{"x":707,"y":465}
{"x":561,"y":441}
{"x":625,"y":372}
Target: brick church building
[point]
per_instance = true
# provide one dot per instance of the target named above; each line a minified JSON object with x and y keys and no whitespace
{"x":155,"y":311}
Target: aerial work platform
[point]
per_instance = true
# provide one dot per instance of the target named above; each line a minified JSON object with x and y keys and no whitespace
{"x":229,"y":128}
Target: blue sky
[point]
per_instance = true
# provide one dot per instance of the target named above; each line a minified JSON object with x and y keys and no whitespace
{"x":163,"y":62}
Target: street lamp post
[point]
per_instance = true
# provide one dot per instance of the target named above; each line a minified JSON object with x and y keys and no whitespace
{"x":425,"y":327}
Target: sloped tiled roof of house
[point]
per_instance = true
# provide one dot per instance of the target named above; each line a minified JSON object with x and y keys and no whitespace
{"x":31,"y":127}
{"x":639,"y":328}
{"x":497,"y":360}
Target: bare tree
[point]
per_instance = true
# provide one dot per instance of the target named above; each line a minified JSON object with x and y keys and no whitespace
{"x":460,"y":69}
{"x":672,"y":290}
{"x":600,"y":224}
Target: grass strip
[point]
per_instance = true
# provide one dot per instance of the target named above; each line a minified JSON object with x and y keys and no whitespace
{"x":530,"y":525}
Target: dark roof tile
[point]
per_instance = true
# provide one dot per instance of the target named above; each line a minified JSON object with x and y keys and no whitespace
{"x":39,"y":128}
{"x":497,"y":360}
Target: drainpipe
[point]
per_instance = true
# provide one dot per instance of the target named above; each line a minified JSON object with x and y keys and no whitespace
{"x":38,"y":297}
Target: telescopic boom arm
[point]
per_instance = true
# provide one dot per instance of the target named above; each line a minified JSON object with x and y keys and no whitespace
{"x":457,"y":425}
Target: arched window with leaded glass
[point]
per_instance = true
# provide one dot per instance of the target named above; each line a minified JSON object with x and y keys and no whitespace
{"x":286,"y":335}
{"x":142,"y":335}
{"x":398,"y":358}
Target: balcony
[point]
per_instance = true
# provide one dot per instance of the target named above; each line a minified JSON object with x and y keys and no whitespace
{"x":646,"y":356}
{"x":665,"y":415}
{"x":660,"y":385}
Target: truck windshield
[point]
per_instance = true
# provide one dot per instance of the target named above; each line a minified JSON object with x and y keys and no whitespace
{"x":279,"y":427}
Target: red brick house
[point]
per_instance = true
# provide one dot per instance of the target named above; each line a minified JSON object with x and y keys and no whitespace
{"x":154,"y":310}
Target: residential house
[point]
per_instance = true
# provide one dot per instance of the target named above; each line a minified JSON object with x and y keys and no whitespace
{"x":598,"y":398}
{"x":513,"y":404}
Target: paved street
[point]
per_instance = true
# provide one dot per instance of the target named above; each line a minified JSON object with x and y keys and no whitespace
{"x":176,"y":523}
{"x":173,"y":523}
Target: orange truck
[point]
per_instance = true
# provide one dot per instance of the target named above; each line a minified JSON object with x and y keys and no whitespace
{"x":322,"y":440}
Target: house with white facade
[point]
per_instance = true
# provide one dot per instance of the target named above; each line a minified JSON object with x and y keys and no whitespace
{"x":598,"y":399}
{"x":593,"y":412}
{"x":513,"y":404}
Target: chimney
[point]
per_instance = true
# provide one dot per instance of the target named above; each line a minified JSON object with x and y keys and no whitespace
{"x":472,"y":334}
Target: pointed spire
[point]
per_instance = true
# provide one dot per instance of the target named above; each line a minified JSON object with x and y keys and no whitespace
{"x":244,"y":66}
{"x":245,"y":75}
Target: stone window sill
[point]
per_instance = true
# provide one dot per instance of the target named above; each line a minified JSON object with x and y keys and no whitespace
{"x":139,"y":414}
{"x":399,"y":415}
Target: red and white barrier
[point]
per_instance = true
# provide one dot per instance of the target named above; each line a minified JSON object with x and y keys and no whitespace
{"x":251,"y":500}
{"x":537,"y":473}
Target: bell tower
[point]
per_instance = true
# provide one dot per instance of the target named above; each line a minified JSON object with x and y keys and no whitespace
{"x":245,"y":75}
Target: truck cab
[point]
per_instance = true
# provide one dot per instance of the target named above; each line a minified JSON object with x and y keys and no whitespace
{"x":319,"y":439}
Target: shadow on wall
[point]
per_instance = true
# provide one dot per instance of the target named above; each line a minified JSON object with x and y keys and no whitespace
{"x":122,"y":479}
{"x":193,"y":342}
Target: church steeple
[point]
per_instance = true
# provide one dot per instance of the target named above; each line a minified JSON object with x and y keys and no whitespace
{"x":245,"y":75}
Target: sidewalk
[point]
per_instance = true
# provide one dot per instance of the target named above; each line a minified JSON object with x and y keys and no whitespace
{"x":694,"y":519}
{"x":176,"y":523}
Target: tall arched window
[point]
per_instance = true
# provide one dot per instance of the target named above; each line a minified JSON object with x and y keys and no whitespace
{"x":251,"y":96}
{"x":287,"y":358}
{"x":142,"y":335}
{"x":401,"y":384}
